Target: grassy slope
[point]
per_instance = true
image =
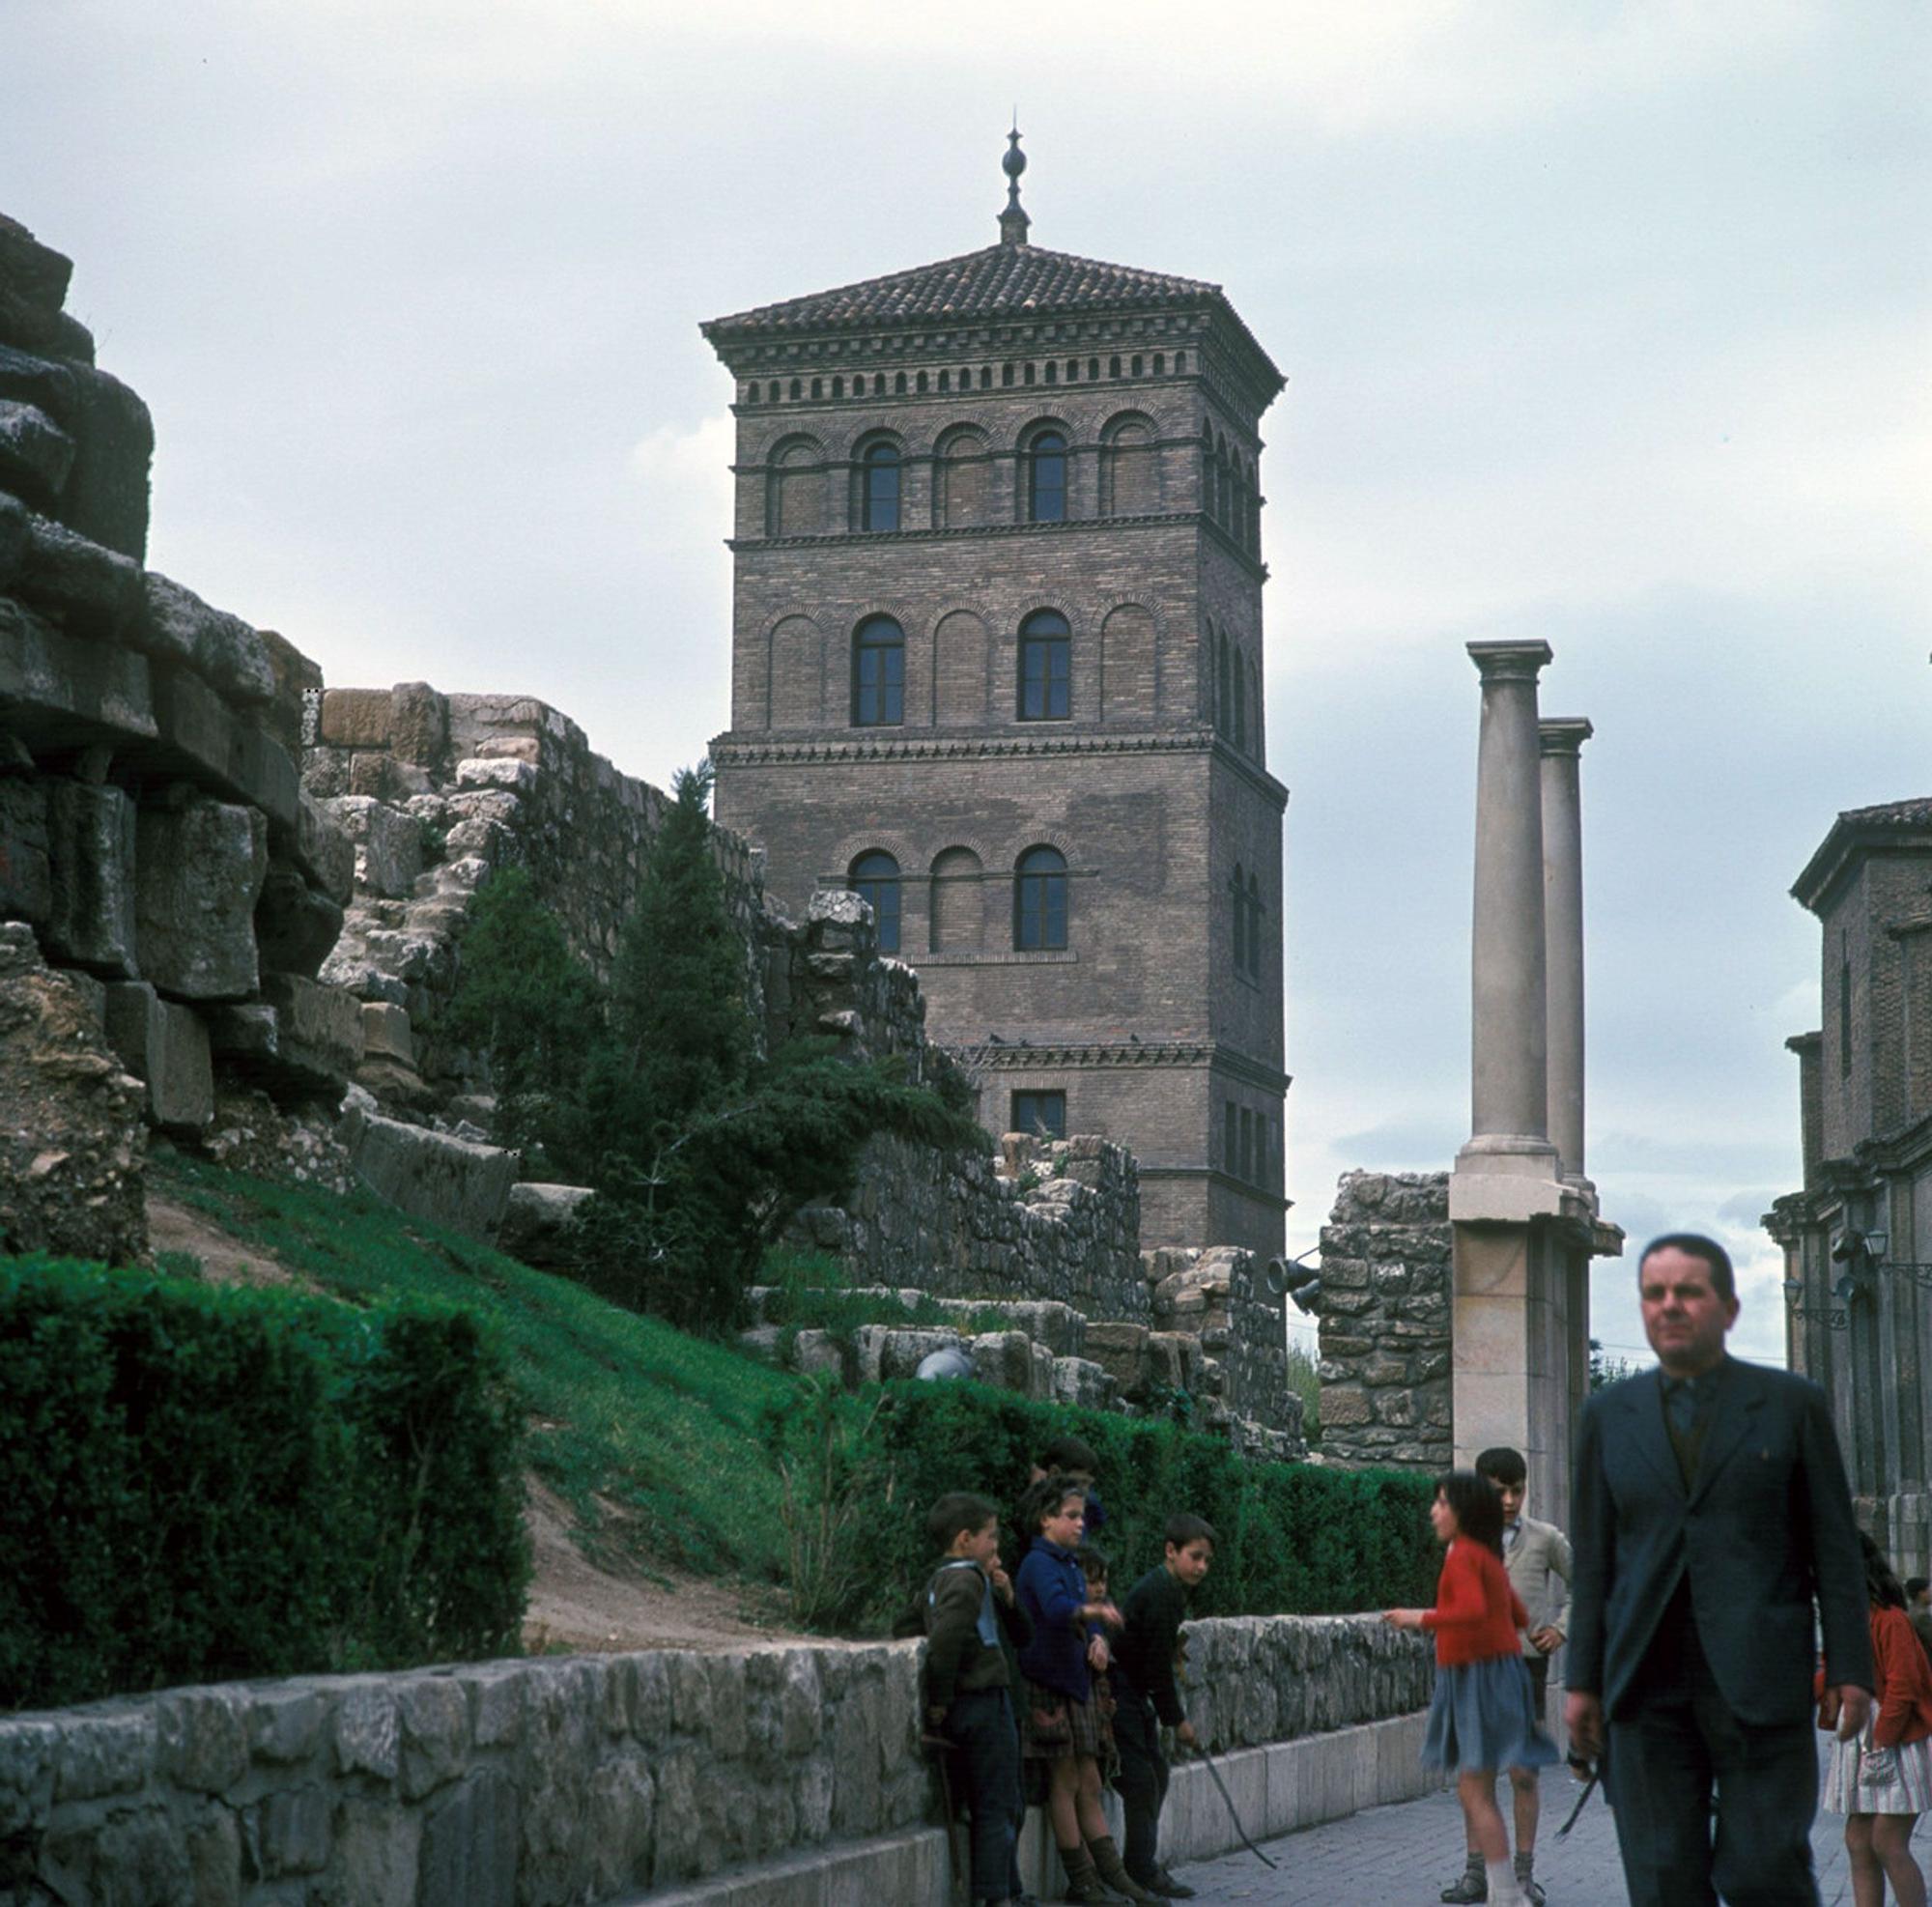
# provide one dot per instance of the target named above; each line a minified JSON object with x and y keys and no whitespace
{"x":651,"y":1435}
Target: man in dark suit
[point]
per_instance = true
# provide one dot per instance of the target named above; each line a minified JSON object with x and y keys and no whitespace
{"x":1710,"y":1512}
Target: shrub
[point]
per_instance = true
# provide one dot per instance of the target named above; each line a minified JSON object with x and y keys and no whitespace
{"x":1294,"y":1538}
{"x":198,"y":1483}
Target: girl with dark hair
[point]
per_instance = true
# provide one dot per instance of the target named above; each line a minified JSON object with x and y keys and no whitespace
{"x":1483,"y":1718}
{"x":1880,"y":1780}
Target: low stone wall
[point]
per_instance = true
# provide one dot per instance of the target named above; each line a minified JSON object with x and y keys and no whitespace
{"x":154,"y":835}
{"x":550,"y":1782}
{"x":1387,"y":1281}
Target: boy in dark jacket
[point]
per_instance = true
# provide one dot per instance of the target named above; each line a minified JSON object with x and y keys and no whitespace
{"x":1147,"y":1697}
{"x":967,"y":1698}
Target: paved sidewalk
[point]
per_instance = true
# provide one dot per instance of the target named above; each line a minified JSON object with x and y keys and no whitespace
{"x":1405,"y":1855}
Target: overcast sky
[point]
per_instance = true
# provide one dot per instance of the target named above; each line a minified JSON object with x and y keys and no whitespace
{"x":1602,"y":324}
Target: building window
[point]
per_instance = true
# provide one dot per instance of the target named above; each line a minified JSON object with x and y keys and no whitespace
{"x":1039,"y":900}
{"x":1041,"y":1114}
{"x":1240,"y":895}
{"x":1255,"y":926}
{"x":880,"y":497}
{"x":1047,"y":668}
{"x":878,"y":673}
{"x":1046,"y":477}
{"x":875,"y":879}
{"x":958,"y":905}
{"x":1231,"y":1138}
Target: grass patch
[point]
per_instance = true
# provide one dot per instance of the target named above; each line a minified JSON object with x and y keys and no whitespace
{"x":651,"y":1435}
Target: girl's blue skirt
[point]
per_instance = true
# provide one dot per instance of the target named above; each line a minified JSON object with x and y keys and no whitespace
{"x":1484,"y":1717}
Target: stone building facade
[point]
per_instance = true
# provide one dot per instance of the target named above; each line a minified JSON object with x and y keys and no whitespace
{"x":1858,"y":1237}
{"x":997,"y":663}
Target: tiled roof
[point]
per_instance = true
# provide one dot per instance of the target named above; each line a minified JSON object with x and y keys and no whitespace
{"x":998,"y":281}
{"x":1916,"y":813}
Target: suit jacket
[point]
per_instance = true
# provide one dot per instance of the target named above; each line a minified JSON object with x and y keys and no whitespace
{"x":1765,"y":1531}
{"x":1541,"y":1551}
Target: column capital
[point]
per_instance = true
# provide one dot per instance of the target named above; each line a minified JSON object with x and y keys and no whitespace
{"x":1562,"y":734}
{"x":1509,"y":662}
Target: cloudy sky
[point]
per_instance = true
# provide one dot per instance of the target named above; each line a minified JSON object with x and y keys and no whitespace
{"x":1605,"y":323}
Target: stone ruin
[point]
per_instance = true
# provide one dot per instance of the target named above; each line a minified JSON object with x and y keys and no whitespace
{"x":1385,"y":1322}
{"x":172,"y":889}
{"x":232,"y":898}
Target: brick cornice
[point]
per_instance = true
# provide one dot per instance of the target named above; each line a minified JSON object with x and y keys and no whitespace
{"x":728,"y":750}
{"x":1108,"y":1055}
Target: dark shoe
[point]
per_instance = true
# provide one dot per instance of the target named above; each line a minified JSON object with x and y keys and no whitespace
{"x":1473,"y":1885}
{"x":1112,"y":1870}
{"x":1167,"y":1887}
{"x":1083,"y":1883}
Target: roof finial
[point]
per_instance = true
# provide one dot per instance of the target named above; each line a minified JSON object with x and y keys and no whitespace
{"x":1014,"y":222}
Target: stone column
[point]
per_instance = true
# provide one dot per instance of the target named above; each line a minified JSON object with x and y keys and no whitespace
{"x":1509,"y":1093}
{"x":1561,"y":742}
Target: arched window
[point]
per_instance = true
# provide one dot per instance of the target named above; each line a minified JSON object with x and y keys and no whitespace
{"x":1237,"y":890}
{"x":1046,"y":477}
{"x":1129,"y":484}
{"x":1047,"y":668}
{"x":795,"y":495}
{"x":961,"y":475}
{"x":957,"y":911}
{"x":1040,"y":900}
{"x":879,"y":495}
{"x":878,"y":673}
{"x":875,"y":878}
{"x":1255,"y":925}
{"x":1240,"y":730}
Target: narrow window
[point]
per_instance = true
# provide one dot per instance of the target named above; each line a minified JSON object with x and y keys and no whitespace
{"x":794,"y":389}
{"x":1240,"y":705}
{"x":1179,"y":362}
{"x":1137,"y":364}
{"x":898,"y":385}
{"x":875,"y":878}
{"x":1231,"y":1138}
{"x":1239,"y":894}
{"x":1255,"y":925}
{"x":838,"y":387}
{"x":1005,"y":374}
{"x":1047,"y":668}
{"x":1249,"y":1149}
{"x":773,"y":394}
{"x":1029,"y":373}
{"x":1039,"y":900}
{"x":1051,"y":371}
{"x":986,"y":377}
{"x":751,"y":393}
{"x":946,"y":380}
{"x":878,"y":673}
{"x":1072,"y":370}
{"x":1113,"y":367}
{"x":922,"y":381}
{"x":1041,"y":1114}
{"x":881,"y":495}
{"x":1092,"y":368}
{"x":1046,"y":478}
{"x":1160,"y":363}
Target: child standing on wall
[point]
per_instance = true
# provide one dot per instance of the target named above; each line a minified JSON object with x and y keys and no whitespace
{"x":1481,"y":1717}
{"x":1537,"y":1556}
{"x":967,"y":1698}
{"x":1147,"y":1698}
{"x":1062,"y":1726}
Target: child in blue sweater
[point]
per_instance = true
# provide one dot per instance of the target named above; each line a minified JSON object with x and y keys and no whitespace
{"x":1058,"y":1718}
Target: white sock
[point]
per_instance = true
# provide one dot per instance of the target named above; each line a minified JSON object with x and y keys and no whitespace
{"x":1503,"y":1890}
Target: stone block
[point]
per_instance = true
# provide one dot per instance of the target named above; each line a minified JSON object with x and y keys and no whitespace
{"x":285,"y":1724}
{"x":540,"y":1221}
{"x":368,"y":1732}
{"x":288,"y":1832}
{"x":222,"y":649}
{"x":296,"y":925}
{"x":321,"y":851}
{"x":418,"y":724}
{"x":200,"y":865}
{"x":95,"y":590}
{"x":93,"y":854}
{"x":430,"y":1174}
{"x":1121,"y":1351}
{"x":319,"y":1032}
{"x":378,"y":1852}
{"x":385,"y":1033}
{"x":435,"y":1713}
{"x":166,"y":1046}
{"x":481,"y":772}
{"x":471,"y":1846}
{"x":1012,"y":1361}
{"x":203,"y":1738}
{"x":67,"y":687}
{"x":107,"y":493}
{"x":26,"y":881}
{"x":387,"y":841}
{"x":36,"y":454}
{"x":38,"y":380}
{"x":238,"y":755}
{"x":104,"y":1755}
{"x":355,"y":718}
{"x":1078,"y":1381}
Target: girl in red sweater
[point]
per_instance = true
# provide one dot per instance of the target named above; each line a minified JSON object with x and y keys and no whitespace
{"x":1483,"y":1717}
{"x":1881,"y":1781}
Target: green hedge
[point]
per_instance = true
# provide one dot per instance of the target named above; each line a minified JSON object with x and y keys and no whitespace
{"x":1296,"y":1538}
{"x":201,"y":1483}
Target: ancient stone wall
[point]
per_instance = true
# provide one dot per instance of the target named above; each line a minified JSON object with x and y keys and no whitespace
{"x":1387,"y":1285}
{"x":550,"y":1782}
{"x":154,"y":835}
{"x":435,"y":791}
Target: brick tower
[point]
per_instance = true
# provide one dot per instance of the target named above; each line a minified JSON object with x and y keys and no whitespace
{"x":997,"y":663}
